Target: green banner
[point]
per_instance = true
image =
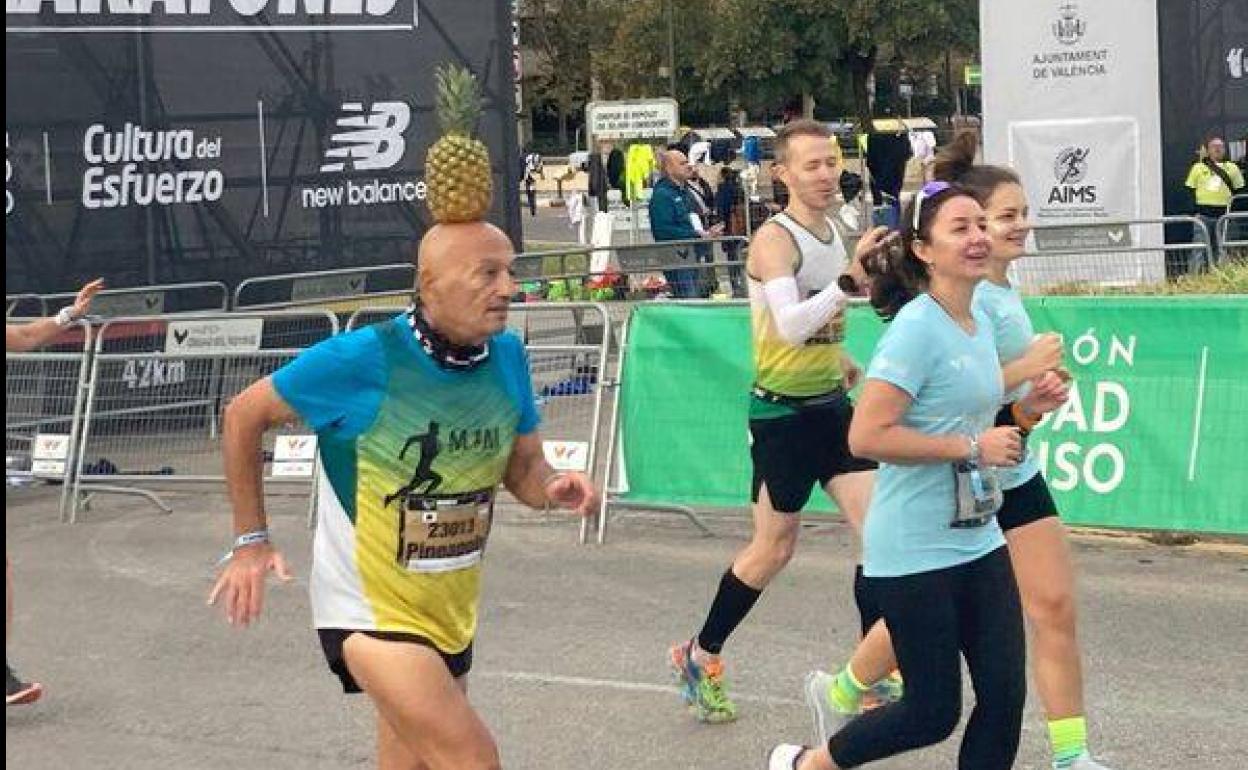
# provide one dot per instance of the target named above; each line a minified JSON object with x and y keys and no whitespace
{"x":1150,"y":438}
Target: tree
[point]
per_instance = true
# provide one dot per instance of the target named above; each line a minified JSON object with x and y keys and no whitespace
{"x":905,"y":30}
{"x":751,"y":54}
{"x":765,"y":53}
{"x":561,"y":33}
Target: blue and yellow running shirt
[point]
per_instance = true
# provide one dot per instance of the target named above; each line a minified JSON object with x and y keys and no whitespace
{"x":411,"y":455}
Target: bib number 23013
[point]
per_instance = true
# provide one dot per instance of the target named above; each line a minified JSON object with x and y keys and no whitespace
{"x":443,"y":533}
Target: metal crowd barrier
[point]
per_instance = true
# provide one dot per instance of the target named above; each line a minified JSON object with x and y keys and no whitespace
{"x":638,"y":273}
{"x":615,"y":483}
{"x":344,"y":290}
{"x":568,"y":349}
{"x":614,"y":487}
{"x":158,"y":388}
{"x":1137,"y":260}
{"x":536,"y":265}
{"x":1236,"y":224}
{"x":25,"y":306}
{"x":44,"y":394}
{"x":160,"y":299}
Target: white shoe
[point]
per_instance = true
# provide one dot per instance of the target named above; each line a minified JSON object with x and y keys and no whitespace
{"x":824,"y":716}
{"x":785,"y":756}
{"x":1086,"y":762}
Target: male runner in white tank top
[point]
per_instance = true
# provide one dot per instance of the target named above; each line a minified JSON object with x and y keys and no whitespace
{"x":799,"y":411}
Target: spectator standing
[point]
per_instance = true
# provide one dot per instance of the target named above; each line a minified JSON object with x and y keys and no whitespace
{"x":674,"y":217}
{"x":1213,"y":180}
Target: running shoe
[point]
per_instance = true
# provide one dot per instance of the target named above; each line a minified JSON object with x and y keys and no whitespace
{"x":825,"y":716}
{"x":17,"y":692}
{"x":702,"y":687}
{"x":785,"y":756}
{"x":1086,"y":762}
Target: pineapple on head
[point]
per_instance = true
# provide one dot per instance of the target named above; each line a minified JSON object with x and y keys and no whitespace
{"x":457,"y":166}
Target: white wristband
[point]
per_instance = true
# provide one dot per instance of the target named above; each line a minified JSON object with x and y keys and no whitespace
{"x":973,"y":458}
{"x":246,"y":539}
{"x":65,"y":317}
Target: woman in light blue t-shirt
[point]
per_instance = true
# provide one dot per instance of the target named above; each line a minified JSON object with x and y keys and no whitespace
{"x":1036,"y":537}
{"x":934,"y":557}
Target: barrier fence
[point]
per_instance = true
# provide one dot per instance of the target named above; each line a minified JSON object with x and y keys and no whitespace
{"x":1232,"y":236}
{"x":44,"y":395}
{"x":567,"y":350}
{"x":1119,"y":253}
{"x":1149,"y":439}
{"x":699,"y":268}
{"x":157,"y":391}
{"x":150,"y":410}
{"x":25,"y":306}
{"x":160,"y":299}
{"x":342,"y":291}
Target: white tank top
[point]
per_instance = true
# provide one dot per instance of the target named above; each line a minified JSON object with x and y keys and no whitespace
{"x":819,"y":262}
{"x":813,"y":368}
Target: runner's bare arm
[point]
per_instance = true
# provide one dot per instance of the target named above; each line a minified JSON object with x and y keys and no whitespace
{"x":877,"y":432}
{"x":772,"y":253}
{"x":531,"y":479}
{"x":527,"y":469}
{"x":19,"y":338}
{"x":241,"y":584}
{"x":247,"y":418}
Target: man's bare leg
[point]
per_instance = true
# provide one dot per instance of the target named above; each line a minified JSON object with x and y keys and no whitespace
{"x":425,"y":710}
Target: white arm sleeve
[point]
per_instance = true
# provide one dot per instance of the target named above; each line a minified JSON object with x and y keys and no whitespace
{"x":797,"y":321}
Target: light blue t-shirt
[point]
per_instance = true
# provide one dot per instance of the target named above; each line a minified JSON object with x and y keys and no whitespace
{"x":337,"y":386}
{"x":1014,"y":332}
{"x":954,"y":381}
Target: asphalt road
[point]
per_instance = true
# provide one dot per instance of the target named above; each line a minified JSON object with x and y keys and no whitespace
{"x":570,"y":661}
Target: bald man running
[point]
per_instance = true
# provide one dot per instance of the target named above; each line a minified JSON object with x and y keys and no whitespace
{"x":400,"y":534}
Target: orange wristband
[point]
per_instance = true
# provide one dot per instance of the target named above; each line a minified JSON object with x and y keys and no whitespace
{"x":1022,"y":420}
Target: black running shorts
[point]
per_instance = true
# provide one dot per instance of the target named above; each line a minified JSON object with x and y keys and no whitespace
{"x":1026,"y":503}
{"x":793,"y":452}
{"x":332,"y":640}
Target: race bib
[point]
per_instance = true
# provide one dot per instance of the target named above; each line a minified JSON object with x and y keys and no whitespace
{"x":444,"y":533}
{"x":977,"y":495}
{"x":832,"y":333}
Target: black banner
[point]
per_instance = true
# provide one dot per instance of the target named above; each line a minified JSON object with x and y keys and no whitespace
{"x":1204,"y":84}
{"x":182,"y":140}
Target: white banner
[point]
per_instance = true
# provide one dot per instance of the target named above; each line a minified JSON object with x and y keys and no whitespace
{"x":221,"y":337}
{"x":567,"y":455}
{"x":1072,"y":102}
{"x":49,"y":454}
{"x":640,"y":119}
{"x":294,"y":456}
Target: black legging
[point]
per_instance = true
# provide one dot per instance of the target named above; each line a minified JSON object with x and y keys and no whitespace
{"x":972,"y":609}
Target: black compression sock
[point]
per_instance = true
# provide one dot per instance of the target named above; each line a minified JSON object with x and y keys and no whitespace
{"x":733,"y":602}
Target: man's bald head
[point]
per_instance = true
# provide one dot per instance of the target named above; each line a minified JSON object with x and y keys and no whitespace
{"x":676,"y":166}
{"x":464,"y":277}
{"x":449,"y":249}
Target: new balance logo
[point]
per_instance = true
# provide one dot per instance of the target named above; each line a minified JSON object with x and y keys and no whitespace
{"x":373,"y":139}
{"x":369,"y":139}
